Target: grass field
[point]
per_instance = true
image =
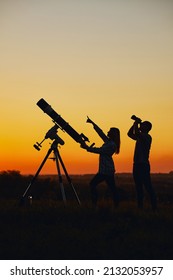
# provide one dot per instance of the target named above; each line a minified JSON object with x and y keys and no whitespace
{"x":49,"y":230}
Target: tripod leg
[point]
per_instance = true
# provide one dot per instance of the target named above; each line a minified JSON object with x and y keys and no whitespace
{"x":59,"y":175}
{"x":35,"y":176}
{"x":68,"y":177}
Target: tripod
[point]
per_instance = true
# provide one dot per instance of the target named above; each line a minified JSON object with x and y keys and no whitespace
{"x":59,"y":161}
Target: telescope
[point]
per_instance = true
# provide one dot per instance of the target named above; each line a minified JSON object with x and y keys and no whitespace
{"x":62,"y":124}
{"x":52,"y":134}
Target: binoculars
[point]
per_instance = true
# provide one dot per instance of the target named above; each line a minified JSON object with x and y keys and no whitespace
{"x":133,"y":117}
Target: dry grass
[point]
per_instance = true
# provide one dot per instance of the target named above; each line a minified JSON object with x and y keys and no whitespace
{"x":49,"y":230}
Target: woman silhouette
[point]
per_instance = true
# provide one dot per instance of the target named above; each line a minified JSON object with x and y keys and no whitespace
{"x":106,"y":170}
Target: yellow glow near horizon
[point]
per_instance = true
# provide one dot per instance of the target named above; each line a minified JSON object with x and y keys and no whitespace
{"x":106,"y":59}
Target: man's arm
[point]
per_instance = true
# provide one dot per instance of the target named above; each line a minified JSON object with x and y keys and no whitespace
{"x":134,"y":131}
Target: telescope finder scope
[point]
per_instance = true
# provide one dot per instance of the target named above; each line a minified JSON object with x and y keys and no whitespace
{"x":46,"y":108}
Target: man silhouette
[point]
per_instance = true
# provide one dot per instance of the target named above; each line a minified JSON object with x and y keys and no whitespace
{"x":141,"y":167}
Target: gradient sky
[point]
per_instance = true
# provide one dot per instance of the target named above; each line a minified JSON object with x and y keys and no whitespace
{"x":103,"y":58}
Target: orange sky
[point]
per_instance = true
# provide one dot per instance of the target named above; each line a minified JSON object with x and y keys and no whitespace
{"x":106,"y":59}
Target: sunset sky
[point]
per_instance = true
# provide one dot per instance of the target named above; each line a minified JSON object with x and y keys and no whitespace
{"x":107,"y":59}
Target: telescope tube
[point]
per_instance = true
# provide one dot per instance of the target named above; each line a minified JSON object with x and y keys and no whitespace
{"x":61,"y":122}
